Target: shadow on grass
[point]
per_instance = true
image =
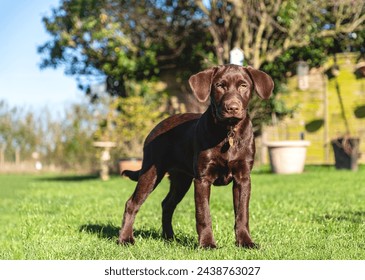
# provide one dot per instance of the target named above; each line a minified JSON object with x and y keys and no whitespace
{"x":111,"y":232}
{"x":102,"y":231}
{"x":356,"y":217}
{"x":70,"y":178}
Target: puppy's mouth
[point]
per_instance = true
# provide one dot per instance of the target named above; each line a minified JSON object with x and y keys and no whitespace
{"x":230,"y":119}
{"x":233,"y":120}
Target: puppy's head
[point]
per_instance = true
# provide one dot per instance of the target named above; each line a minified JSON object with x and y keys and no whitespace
{"x":230,"y":88}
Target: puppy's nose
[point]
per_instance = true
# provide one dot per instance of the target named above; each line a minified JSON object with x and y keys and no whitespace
{"x":233,"y":107}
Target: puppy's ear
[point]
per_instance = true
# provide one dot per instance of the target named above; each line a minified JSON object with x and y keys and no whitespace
{"x":263,"y":83}
{"x":201,"y":83}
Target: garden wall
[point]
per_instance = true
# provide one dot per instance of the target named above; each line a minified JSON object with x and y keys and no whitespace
{"x":319,"y":117}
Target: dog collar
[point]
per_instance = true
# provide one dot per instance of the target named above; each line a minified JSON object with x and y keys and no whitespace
{"x":231,"y":135}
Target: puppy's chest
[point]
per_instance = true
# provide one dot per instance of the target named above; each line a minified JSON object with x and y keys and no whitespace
{"x":221,"y":171}
{"x":225,"y":163}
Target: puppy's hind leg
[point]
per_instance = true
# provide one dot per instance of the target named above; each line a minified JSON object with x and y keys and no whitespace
{"x":147,"y":182}
{"x":179,"y":185}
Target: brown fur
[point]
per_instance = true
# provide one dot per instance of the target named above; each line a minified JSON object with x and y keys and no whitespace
{"x":213,"y":148}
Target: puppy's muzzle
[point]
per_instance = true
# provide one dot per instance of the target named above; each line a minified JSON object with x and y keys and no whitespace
{"x":232,"y":109}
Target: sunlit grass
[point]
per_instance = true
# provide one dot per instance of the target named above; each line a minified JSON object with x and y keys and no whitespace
{"x":319,"y":214}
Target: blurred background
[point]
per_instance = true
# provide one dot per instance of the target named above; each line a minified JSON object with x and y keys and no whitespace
{"x":83,"y":82}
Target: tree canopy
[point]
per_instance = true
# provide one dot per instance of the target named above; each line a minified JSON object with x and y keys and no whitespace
{"x":115,"y":41}
{"x":119,"y":40}
{"x":266,"y":29}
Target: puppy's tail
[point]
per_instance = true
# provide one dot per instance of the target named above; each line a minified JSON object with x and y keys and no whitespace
{"x":133,"y":175}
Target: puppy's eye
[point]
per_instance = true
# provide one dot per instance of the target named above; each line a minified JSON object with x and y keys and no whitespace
{"x":219,"y":85}
{"x":243,"y":86}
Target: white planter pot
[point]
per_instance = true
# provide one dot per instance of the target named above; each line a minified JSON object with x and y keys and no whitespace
{"x":287,"y":157}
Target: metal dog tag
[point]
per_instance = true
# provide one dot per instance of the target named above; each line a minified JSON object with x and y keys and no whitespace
{"x":230,"y":141}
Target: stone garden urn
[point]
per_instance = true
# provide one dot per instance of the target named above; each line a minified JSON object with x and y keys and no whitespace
{"x":287,"y":157}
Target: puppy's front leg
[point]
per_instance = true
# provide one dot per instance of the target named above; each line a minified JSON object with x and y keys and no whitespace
{"x":202,"y":213}
{"x":241,"y":199}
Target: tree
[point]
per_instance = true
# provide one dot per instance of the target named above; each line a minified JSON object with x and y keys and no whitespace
{"x":120,"y":118}
{"x":65,"y":143}
{"x":127,"y":45}
{"x":266,"y":29}
{"x":20,"y":131}
{"x":122,"y":40}
{"x":275,"y":34}
{"x":131,"y":40}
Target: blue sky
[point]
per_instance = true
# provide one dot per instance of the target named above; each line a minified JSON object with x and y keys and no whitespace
{"x":22,"y":83}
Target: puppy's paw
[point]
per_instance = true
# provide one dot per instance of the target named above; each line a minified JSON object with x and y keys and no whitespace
{"x":207,"y":243}
{"x":248,"y":245}
{"x":126,"y":240}
{"x":208,"y":246}
{"x":244,"y":240}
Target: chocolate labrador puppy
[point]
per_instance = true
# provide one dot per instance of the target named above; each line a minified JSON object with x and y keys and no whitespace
{"x":216,"y":147}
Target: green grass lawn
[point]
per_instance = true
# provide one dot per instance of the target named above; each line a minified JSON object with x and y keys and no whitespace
{"x":319,"y":214}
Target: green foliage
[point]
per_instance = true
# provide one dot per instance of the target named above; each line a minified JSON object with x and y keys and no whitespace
{"x":122,"y":40}
{"x":127,"y":121}
{"x":316,"y":54}
{"x":73,"y":217}
{"x":71,"y":142}
{"x":65,"y":143}
{"x":126,"y":44}
{"x":20,"y":130}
